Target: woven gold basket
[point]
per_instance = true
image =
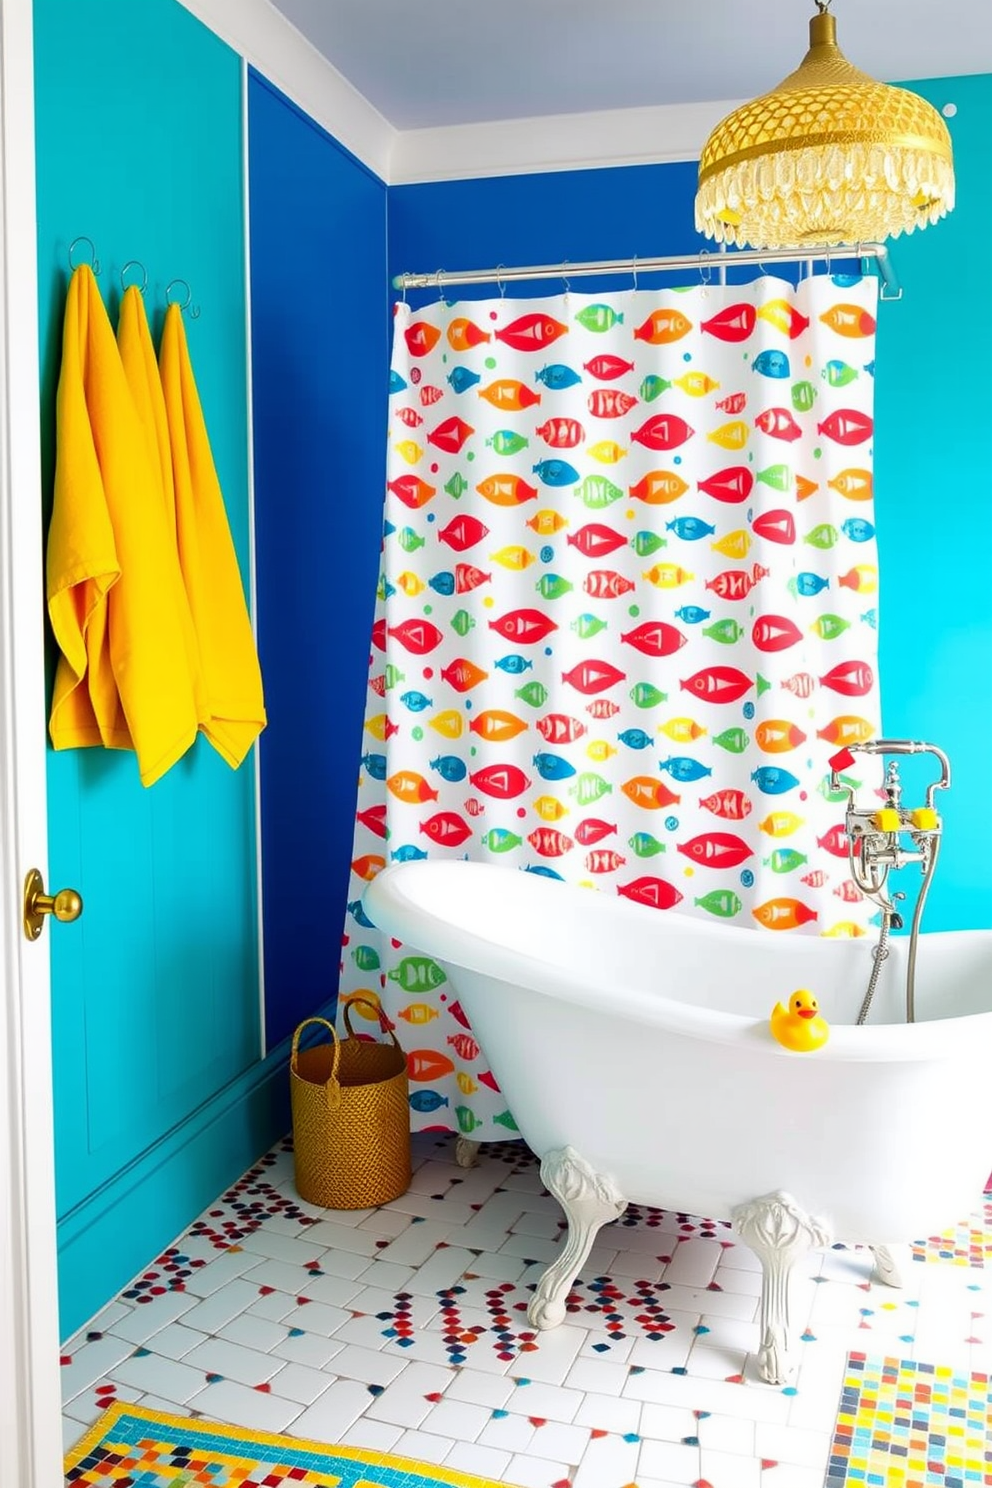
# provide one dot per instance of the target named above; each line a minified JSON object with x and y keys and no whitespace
{"x":351,"y":1118}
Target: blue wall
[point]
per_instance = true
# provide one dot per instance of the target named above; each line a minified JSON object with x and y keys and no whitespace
{"x":933,"y":445}
{"x":320,"y":364}
{"x":155,"y":990}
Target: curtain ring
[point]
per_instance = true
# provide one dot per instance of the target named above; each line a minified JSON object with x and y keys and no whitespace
{"x":438,"y":277}
{"x":499,"y":281}
{"x":564,"y":276}
{"x":633,"y":270}
{"x":705,"y":271}
{"x":187,"y":304}
{"x":94,"y":261}
{"x":135,"y":263}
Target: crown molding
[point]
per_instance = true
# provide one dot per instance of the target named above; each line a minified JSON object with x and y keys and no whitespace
{"x":270,"y":43}
{"x":555,"y":142}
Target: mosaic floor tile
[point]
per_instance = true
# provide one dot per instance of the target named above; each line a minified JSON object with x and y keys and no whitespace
{"x":904,"y":1424}
{"x":970,"y":1244}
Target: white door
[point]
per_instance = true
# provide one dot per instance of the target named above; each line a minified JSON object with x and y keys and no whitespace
{"x":29,"y":1371}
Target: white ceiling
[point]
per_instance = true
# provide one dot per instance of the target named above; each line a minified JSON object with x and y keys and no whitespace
{"x":432,"y":63}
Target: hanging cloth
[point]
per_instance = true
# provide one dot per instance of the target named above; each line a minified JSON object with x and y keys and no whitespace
{"x":234,"y":709}
{"x":141,"y":369}
{"x":123,"y":676}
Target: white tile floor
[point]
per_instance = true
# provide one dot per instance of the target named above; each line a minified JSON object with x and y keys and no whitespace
{"x":404,"y":1329}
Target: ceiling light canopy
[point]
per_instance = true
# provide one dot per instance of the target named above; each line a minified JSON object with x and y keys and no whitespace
{"x":829,"y":156}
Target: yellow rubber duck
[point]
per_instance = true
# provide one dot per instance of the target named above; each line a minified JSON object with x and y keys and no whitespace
{"x":800,"y":1028}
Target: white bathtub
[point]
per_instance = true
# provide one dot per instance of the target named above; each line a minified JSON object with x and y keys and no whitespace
{"x":634,"y":1051}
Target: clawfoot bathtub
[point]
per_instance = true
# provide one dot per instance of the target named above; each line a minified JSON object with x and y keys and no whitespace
{"x":634,"y":1051}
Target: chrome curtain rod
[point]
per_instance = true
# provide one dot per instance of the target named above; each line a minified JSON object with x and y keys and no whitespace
{"x":719,"y":260}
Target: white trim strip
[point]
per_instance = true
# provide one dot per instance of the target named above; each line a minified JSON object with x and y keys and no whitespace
{"x":269,"y":42}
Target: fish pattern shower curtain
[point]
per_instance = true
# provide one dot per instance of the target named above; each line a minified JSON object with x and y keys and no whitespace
{"x":626,"y":613}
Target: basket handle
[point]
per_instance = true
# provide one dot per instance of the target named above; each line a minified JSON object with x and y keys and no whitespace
{"x":332,"y":1089}
{"x":376,"y":1007}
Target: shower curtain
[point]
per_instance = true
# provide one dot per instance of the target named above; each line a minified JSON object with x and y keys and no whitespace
{"x":626,"y":614}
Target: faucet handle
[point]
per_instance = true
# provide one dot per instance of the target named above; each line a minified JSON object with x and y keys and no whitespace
{"x":925,"y":819}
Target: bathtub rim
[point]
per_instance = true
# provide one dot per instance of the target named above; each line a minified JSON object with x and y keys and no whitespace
{"x":391,"y":893}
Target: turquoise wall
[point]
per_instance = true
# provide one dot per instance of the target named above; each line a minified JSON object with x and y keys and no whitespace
{"x":155,"y":990}
{"x":933,"y":442}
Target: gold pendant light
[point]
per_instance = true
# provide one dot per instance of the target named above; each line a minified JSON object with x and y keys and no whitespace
{"x":829,"y":156}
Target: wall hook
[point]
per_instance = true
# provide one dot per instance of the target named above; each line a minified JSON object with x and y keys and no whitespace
{"x":94,"y":261}
{"x":187,"y":303}
{"x":135,"y":263}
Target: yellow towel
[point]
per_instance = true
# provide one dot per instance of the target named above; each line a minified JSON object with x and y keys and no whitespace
{"x":123,"y":676}
{"x":141,"y":370}
{"x":232,"y":680}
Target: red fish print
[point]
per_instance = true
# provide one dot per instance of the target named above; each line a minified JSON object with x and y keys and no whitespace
{"x":416,"y":636}
{"x":851,"y":678}
{"x":607,"y":368}
{"x":463,"y":674}
{"x":457,"y":1012}
{"x":421,"y":337}
{"x":847,"y":426}
{"x":560,"y":728}
{"x":506,"y":490}
{"x":594,"y":540}
{"x":593,"y":829}
{"x":778,"y":423}
{"x":849,"y":320}
{"x":716,"y":850}
{"x":734,"y":403}
{"x":463,"y":532}
{"x":526,"y":627}
{"x":464,"y":1046}
{"x":736,"y":583}
{"x":732,"y":805}
{"x":428,"y":1064}
{"x":732,"y":485}
{"x":450,"y":435}
{"x":849,"y":892}
{"x":593,"y":676}
{"x":378,"y":685}
{"x":783,"y":914}
{"x":549,"y":843}
{"x":463,"y":334}
{"x":446,"y":828}
{"x":649,"y":793}
{"x":775,"y":526}
{"x":604,"y":860}
{"x":735,"y":323}
{"x":430,"y":395}
{"x":802,"y":685}
{"x":468,"y":577}
{"x":654,"y":892}
{"x":664,"y":431}
{"x":561,"y":433}
{"x":610,"y":403}
{"x":502,"y":782}
{"x":718,"y":684}
{"x":374,"y":818}
{"x":474,"y":806}
{"x":655,"y":638}
{"x":411,"y":490}
{"x":488,"y":1079}
{"x":531,"y":332}
{"x":602,"y":708}
{"x":379,"y":634}
{"x":606,"y":583}
{"x":775,"y":633}
{"x":814,"y":880}
{"x":409,"y":416}
{"x":834,"y":841}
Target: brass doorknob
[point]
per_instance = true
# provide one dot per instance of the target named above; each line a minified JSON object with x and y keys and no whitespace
{"x":66,"y":905}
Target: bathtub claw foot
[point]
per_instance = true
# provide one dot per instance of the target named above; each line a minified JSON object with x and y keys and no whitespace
{"x":779,"y":1232}
{"x":590,"y":1200}
{"x":888,"y":1267}
{"x":466,"y":1152}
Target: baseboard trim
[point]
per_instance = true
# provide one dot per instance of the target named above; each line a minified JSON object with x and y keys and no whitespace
{"x":113,"y":1235}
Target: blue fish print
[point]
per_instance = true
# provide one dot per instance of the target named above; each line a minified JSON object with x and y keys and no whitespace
{"x":858,"y":529}
{"x":396,"y":383}
{"x":557,"y":375}
{"x":681,"y":767}
{"x":635,"y":738}
{"x":514,"y":664}
{"x":772,"y":364}
{"x":690,"y":529}
{"x":427,"y":1100}
{"x":450,"y":767}
{"x":544,"y":872}
{"x":443,"y":582}
{"x":408,"y":854}
{"x":553,"y":767}
{"x":808,"y":584}
{"x":359,"y":916}
{"x":773,"y":781}
{"x":692,"y":614}
{"x":416,"y":701}
{"x":556,"y":473}
{"x":375,"y":764}
{"x":461,"y":379}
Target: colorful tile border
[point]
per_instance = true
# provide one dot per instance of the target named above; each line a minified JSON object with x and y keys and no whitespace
{"x":904,"y":1424}
{"x":129,"y":1444}
{"x":969,"y":1244}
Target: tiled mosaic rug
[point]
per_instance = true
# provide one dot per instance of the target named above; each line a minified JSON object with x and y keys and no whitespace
{"x":130,"y":1445}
